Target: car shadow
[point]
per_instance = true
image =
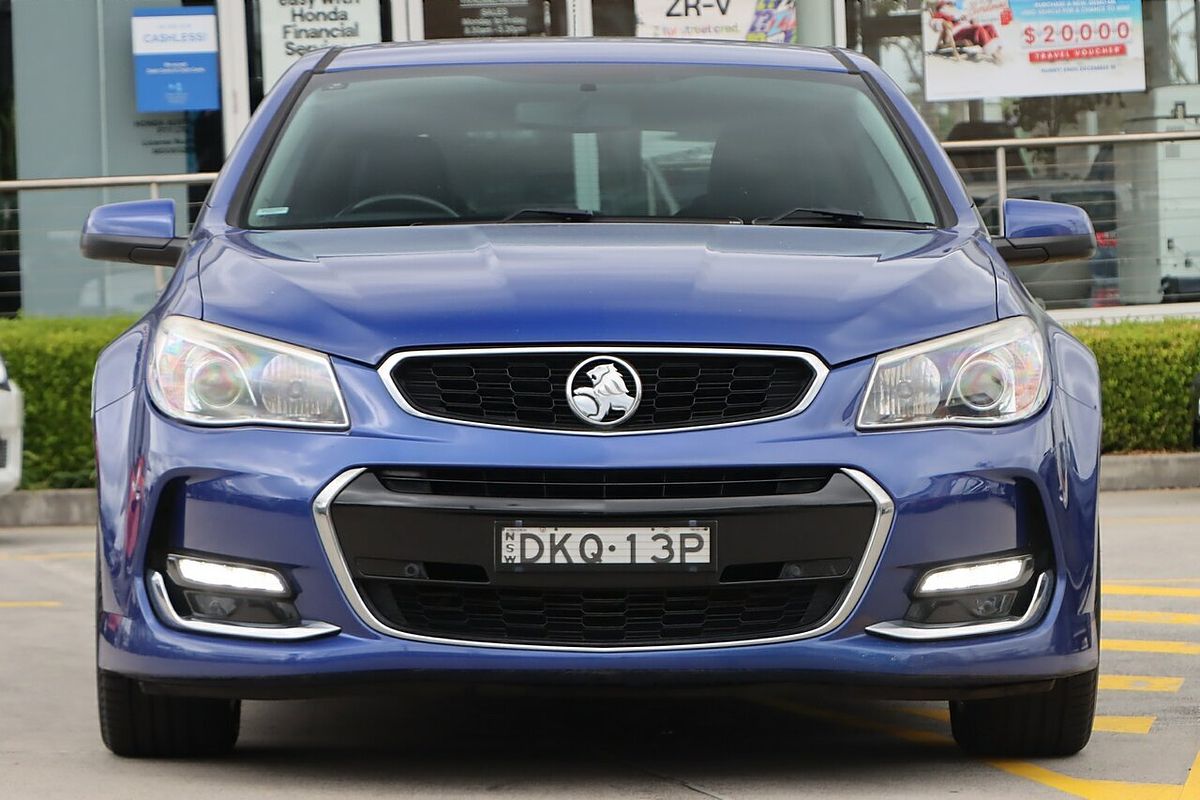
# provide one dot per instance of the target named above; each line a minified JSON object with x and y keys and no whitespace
{"x":549,"y":741}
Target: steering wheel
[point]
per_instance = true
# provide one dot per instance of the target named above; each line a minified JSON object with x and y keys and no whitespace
{"x":380,"y":199}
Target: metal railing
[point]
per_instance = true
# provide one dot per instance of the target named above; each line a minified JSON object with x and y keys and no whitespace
{"x":1000,"y":148}
{"x":1143,"y":192}
{"x":154,"y":183}
{"x":1001,"y":169}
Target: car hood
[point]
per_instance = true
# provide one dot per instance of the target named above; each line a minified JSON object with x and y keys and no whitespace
{"x":361,"y":293}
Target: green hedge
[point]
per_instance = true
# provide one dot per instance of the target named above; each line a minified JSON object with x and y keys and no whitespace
{"x":1146,"y":370}
{"x":1146,"y":374}
{"x":52,"y":360}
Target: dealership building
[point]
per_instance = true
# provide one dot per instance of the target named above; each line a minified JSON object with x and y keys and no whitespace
{"x":1093,"y":102}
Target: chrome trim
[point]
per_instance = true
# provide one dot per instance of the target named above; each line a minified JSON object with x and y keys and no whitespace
{"x":913,"y":632}
{"x":884,"y":509}
{"x":307,"y":629}
{"x":820,"y":373}
{"x":615,"y":363}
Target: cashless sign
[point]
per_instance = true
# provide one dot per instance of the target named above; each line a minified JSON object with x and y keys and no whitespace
{"x":175,"y":59}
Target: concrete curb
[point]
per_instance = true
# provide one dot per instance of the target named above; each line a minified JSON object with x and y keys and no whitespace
{"x":1151,"y":471}
{"x":48,"y":507}
{"x":1117,"y":473}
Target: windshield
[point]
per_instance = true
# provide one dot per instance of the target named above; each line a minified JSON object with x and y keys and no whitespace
{"x":586,"y":143}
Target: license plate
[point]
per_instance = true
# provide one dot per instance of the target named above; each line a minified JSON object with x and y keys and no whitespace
{"x":580,"y":547}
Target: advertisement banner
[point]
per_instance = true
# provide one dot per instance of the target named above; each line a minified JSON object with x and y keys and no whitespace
{"x":977,"y":49}
{"x":292,"y":28}
{"x":175,"y":59}
{"x":454,"y":19}
{"x":744,"y":20}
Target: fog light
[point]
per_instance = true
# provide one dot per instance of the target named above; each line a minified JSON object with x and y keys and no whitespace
{"x":240,"y":609}
{"x":212,"y":605}
{"x":990,"y":606}
{"x":201,"y":573}
{"x":1000,"y":574}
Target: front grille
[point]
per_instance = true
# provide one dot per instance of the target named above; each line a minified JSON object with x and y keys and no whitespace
{"x":420,"y":544}
{"x":528,"y":389}
{"x":605,"y":484}
{"x":604,"y":617}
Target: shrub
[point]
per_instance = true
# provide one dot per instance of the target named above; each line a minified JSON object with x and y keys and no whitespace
{"x":52,"y":361}
{"x":1146,"y":371}
{"x":1146,"y":374}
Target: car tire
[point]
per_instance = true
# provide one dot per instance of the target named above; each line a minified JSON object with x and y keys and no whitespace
{"x":1053,"y":723}
{"x":140,"y":725}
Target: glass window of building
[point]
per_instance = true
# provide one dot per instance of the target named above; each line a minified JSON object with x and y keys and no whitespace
{"x":981,"y":72}
{"x":1127,"y":66}
{"x":93,"y":100}
{"x":10,"y":219}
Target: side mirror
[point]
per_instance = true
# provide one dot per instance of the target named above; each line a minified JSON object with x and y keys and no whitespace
{"x":138,"y":232}
{"x":1038,"y":232}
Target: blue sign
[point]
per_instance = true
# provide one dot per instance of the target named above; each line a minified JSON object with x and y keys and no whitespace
{"x":175,"y":59}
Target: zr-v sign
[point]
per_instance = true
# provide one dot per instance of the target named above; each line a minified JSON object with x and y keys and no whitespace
{"x":752,"y":20}
{"x":687,"y":8}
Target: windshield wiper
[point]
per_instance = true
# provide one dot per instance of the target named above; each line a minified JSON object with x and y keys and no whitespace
{"x":557,"y":214}
{"x":838,"y":216}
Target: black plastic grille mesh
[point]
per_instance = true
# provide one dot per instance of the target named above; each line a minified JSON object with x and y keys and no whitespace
{"x":605,"y":484}
{"x":529,"y":390}
{"x":605,"y":617}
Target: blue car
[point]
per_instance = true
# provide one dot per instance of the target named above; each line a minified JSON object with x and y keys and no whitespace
{"x":594,"y":361}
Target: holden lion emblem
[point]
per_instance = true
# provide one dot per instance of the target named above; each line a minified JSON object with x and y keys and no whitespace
{"x":604,"y":391}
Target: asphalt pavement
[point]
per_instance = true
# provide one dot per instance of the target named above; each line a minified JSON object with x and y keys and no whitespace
{"x":510,"y":743}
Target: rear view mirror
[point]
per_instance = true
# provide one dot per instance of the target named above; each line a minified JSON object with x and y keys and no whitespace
{"x":1038,"y":232}
{"x":137,"y":232}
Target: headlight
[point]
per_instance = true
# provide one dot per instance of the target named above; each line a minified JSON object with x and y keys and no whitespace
{"x":211,"y":375}
{"x":986,"y":376}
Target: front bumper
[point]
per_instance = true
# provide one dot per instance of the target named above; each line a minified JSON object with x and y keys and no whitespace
{"x":849,"y":517}
{"x":249,"y":494}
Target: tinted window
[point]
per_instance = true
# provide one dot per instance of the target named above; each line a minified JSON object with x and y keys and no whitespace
{"x":438,"y":145}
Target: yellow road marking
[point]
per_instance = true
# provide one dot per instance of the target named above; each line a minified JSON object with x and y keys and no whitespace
{"x":1150,"y":617}
{"x":1087,"y":787}
{"x":1107,"y":723}
{"x":1103,"y":723}
{"x":1152,"y":581}
{"x":1146,"y":646}
{"x":29,"y":604}
{"x":1139,"y":683}
{"x":896,"y":731}
{"x":1079,"y":787}
{"x":47,"y":556}
{"x":1108,"y":683}
{"x":940,"y":714}
{"x":1191,"y":788}
{"x":1149,"y":591}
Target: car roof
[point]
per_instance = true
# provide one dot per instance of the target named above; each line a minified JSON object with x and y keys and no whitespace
{"x":591,"y":50}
